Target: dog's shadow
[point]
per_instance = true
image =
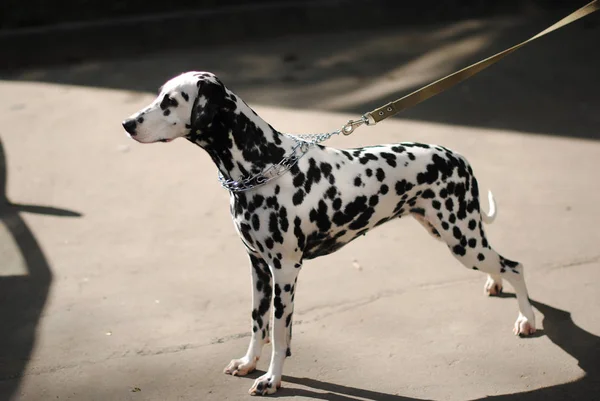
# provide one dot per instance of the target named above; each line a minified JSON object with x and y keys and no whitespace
{"x":558,"y":327}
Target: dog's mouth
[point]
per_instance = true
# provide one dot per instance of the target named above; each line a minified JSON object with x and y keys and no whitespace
{"x":137,"y":139}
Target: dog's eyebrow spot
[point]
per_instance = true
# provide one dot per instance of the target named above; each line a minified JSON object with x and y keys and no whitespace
{"x":167,"y":102}
{"x":166,"y":112}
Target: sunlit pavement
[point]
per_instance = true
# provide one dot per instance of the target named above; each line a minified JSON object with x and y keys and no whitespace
{"x":122,"y":278}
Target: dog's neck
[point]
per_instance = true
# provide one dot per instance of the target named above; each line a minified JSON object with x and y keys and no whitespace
{"x":241,"y":143}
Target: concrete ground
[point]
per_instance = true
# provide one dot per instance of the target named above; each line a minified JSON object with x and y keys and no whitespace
{"x":122,"y":278}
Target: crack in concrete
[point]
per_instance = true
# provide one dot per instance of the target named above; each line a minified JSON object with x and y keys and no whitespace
{"x":351,"y":304}
{"x":574,"y":263}
{"x":338,"y":307}
{"x":36,"y":371}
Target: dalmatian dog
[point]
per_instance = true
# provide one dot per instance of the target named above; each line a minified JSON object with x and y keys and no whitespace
{"x":326,"y":199}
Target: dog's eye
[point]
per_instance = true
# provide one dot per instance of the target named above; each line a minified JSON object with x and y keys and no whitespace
{"x":168,"y":102}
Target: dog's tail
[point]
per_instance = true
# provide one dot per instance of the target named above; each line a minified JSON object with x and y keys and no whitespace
{"x":491,"y":216}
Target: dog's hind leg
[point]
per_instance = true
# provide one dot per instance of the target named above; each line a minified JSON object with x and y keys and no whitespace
{"x":513,"y":273}
{"x":284,"y":282}
{"x":477,"y":254}
{"x":456,"y":216}
{"x":261,"y":304}
{"x":493,"y":285}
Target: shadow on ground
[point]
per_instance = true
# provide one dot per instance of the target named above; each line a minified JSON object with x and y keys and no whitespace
{"x":558,"y":326}
{"x":22,"y":297}
{"x":548,"y":87}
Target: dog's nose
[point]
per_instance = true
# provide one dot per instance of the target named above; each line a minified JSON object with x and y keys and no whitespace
{"x":130,"y":125}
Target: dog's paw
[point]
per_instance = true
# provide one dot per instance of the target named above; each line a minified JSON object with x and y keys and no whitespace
{"x":493,"y":286}
{"x":264,"y":385}
{"x":240,"y":367}
{"x":523,"y":327}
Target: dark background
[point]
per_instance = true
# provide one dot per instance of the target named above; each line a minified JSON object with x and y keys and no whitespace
{"x":41,"y":32}
{"x":34,"y":13}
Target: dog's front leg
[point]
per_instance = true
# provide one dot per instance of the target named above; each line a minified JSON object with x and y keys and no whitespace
{"x":261,"y":304}
{"x":284,"y":279}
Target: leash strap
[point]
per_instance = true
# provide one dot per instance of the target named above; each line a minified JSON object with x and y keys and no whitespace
{"x":449,"y":81}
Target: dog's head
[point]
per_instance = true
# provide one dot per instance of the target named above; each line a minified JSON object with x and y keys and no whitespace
{"x":185,"y":107}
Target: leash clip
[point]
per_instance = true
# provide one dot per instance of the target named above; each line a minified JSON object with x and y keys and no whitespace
{"x":352,"y":125}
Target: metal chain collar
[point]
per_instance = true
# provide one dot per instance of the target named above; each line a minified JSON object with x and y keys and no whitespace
{"x":303,"y":144}
{"x":274,"y":171}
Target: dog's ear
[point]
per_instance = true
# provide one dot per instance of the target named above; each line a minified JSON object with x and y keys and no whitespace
{"x":209,"y":100}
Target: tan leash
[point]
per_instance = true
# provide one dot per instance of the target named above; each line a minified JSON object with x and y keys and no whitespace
{"x":434,"y":88}
{"x":304,"y":142}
